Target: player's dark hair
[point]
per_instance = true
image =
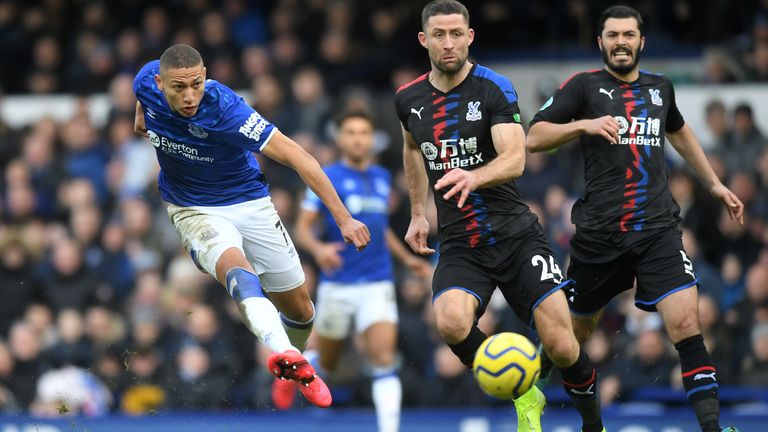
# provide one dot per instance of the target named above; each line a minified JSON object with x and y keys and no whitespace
{"x":620,"y":11}
{"x":443,"y":7}
{"x":351,"y":114}
{"x":180,"y":56}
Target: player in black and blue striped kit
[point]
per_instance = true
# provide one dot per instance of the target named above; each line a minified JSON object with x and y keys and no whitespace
{"x":626,"y":221}
{"x":463,"y":137}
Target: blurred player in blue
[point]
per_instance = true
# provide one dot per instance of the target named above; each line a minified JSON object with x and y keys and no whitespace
{"x":358,"y":287}
{"x":205,"y":136}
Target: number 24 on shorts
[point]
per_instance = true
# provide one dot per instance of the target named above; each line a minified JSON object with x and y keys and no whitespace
{"x":548,"y":270}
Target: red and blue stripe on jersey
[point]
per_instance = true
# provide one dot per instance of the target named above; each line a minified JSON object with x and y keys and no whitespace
{"x":446,"y":127}
{"x":636,"y":186}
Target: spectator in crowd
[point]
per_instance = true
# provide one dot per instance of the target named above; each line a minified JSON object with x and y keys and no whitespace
{"x":70,"y":283}
{"x":25,"y":346}
{"x":746,"y":144}
{"x":18,"y":285}
{"x":754,"y":372}
{"x":650,"y":363}
{"x":73,"y":348}
{"x":193,"y":383}
{"x":718,"y":135}
{"x":8,"y":404}
{"x":141,"y":385}
{"x":453,"y":382}
{"x":70,"y":391}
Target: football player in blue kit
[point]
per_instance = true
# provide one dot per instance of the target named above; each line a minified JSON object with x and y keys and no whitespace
{"x":218,"y":201}
{"x":357,"y":290}
{"x":627,"y":220}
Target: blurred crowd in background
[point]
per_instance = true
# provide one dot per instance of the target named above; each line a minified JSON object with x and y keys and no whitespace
{"x":101,"y":309}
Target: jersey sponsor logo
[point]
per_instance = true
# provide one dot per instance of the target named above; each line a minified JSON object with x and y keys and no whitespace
{"x":655,"y":97}
{"x":154,"y":138}
{"x":454,"y":153}
{"x":606,"y":92}
{"x":639,"y":127}
{"x":473,"y":111}
{"x":429,"y":150}
{"x":197,"y":131}
{"x":254,"y":126}
{"x":418,"y":113}
{"x":173,"y":148}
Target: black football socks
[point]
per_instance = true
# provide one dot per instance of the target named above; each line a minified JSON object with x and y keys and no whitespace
{"x":700,"y":382}
{"x":580,"y":382}
{"x":465,"y":350}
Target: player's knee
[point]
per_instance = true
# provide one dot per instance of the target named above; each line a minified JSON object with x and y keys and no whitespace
{"x":684,"y":326}
{"x":453,"y":323}
{"x":562,"y":350}
{"x":303,"y":311}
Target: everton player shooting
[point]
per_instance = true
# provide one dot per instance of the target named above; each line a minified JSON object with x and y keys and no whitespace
{"x":205,"y":136}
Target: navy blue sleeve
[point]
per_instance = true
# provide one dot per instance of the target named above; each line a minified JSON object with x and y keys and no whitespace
{"x":502,"y":97}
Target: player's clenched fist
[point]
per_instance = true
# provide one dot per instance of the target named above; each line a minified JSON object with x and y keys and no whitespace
{"x":416,"y":237}
{"x":355,"y":232}
{"x":605,"y":126}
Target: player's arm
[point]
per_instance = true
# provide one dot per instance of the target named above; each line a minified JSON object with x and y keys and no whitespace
{"x":686,"y":143}
{"x":509,"y":142}
{"x":554,"y":125}
{"x":418,"y":183}
{"x":139,"y":125}
{"x":543,"y":135}
{"x":326,"y":254}
{"x":286,"y":151}
{"x":419,"y":266}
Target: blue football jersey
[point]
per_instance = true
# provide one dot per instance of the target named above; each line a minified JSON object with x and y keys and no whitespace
{"x":207,"y":159}
{"x":366,"y":196}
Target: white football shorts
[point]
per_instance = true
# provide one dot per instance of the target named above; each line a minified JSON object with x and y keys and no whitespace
{"x":366,"y":303}
{"x":253,"y":227}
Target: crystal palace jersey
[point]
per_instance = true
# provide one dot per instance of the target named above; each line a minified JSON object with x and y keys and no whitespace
{"x":453,"y":130}
{"x":626,"y":183}
{"x":366,"y":195}
{"x":207,"y":159}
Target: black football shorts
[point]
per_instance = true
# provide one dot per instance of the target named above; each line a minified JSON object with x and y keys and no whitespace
{"x":523,"y":267}
{"x":604,"y":264}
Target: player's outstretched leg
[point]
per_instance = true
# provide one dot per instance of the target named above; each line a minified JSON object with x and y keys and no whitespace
{"x":579,"y":376}
{"x":680,"y":313}
{"x":583,"y":326}
{"x":297,"y":317}
{"x":291,"y":365}
{"x":261,"y":318}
